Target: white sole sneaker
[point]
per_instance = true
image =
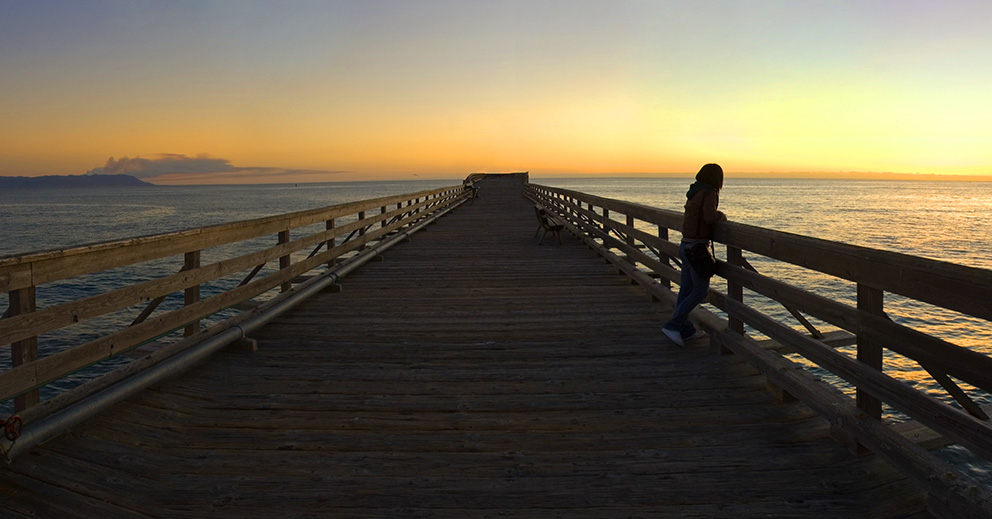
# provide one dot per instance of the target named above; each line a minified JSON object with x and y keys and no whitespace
{"x":674,"y":336}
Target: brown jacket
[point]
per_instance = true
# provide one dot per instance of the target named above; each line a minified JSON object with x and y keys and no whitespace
{"x":700,"y":215}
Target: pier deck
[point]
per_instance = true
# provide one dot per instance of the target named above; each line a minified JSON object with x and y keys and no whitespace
{"x":471,"y":373}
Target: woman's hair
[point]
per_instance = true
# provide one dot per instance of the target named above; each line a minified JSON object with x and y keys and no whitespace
{"x":711,"y":174}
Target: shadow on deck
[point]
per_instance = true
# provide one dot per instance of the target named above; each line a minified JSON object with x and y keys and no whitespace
{"x":472,"y":373}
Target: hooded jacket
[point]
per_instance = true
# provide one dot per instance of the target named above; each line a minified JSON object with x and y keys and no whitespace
{"x":702,"y":201}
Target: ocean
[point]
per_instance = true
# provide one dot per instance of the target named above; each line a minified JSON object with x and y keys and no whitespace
{"x":45,"y":219}
{"x":950,"y":221}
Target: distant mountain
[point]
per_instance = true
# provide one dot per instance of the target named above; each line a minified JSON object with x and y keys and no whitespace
{"x":70,"y":181}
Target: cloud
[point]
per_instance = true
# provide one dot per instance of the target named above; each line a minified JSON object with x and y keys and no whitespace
{"x":171,"y":168}
{"x":164,"y":164}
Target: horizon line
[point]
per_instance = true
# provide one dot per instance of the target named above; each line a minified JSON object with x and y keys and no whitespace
{"x":794,"y":175}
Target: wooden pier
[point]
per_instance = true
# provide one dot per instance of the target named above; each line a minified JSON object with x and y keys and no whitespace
{"x":466,"y":372}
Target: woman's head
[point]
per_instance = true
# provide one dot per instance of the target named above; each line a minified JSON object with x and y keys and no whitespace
{"x":711,"y":174}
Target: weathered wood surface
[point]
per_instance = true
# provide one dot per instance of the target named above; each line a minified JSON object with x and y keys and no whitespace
{"x":470,"y":374}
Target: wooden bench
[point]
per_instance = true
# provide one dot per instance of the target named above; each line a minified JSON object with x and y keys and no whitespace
{"x":473,"y":190}
{"x":547,"y":224}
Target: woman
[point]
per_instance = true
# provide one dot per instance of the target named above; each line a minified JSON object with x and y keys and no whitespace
{"x":701,"y":213}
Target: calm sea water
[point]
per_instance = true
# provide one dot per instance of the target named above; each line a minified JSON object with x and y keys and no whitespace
{"x":33,"y":220}
{"x":950,"y":221}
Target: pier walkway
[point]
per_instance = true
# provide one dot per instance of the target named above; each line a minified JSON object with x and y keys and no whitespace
{"x":470,"y":373}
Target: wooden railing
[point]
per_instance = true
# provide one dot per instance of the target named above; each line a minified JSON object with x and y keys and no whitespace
{"x":617,"y":230}
{"x":330,"y":234}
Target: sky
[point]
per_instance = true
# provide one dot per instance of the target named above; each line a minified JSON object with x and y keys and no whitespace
{"x":224,"y":91}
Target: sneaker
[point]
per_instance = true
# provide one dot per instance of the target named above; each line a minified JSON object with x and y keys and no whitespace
{"x":674,"y":336}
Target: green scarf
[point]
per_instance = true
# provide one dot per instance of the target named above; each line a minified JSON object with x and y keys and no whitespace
{"x":696,"y":187}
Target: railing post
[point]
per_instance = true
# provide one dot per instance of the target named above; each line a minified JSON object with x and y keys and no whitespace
{"x":22,"y":301}
{"x":735,"y":291}
{"x":630,"y":239}
{"x":361,"y":230}
{"x":871,"y":301}
{"x":191,"y":294}
{"x":382,"y":210}
{"x":284,"y":261}
{"x":329,"y":225}
{"x":663,"y":234}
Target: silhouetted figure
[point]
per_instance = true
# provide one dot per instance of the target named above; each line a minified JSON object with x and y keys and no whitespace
{"x":701,"y":213}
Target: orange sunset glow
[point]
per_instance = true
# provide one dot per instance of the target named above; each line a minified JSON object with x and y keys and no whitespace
{"x":238,"y":92}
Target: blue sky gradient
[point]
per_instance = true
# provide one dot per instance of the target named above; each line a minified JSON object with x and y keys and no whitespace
{"x":385,"y":89}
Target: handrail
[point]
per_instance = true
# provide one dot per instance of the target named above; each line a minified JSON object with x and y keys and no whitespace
{"x":119,"y":387}
{"x":371,"y":221}
{"x":612,"y":227}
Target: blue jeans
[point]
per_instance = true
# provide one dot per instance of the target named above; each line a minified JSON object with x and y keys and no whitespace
{"x":693,"y":289}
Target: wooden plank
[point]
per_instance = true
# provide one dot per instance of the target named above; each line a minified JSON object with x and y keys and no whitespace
{"x":833,"y":338}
